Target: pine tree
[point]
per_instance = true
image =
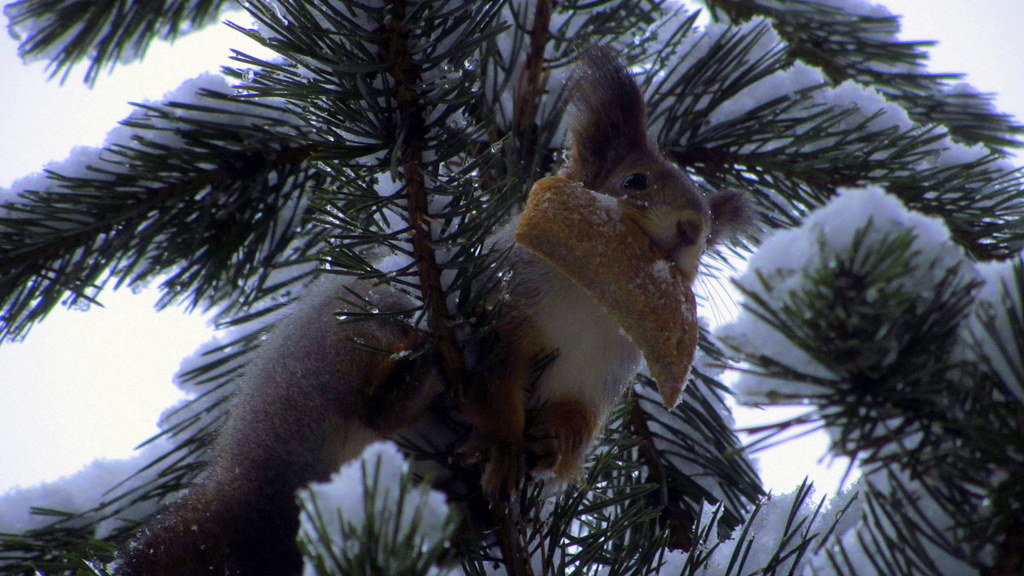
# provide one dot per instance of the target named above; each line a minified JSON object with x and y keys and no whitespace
{"x":388,"y":139}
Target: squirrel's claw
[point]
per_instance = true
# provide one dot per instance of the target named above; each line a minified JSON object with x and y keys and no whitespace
{"x":542,"y":448}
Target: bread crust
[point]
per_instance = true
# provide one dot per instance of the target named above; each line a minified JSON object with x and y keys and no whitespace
{"x":649,"y":297}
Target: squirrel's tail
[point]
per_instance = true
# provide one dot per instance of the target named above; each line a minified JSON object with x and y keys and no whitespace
{"x":240,"y":532}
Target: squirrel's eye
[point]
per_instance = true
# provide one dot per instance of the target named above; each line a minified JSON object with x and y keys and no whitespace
{"x":635,"y":181}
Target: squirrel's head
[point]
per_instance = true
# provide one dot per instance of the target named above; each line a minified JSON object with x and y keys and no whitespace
{"x":611,"y":153}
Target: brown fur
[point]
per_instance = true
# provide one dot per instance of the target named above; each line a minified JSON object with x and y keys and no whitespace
{"x":495,"y":407}
{"x":572,"y":424}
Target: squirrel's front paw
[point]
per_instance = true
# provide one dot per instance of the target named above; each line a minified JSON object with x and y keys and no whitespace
{"x":504,"y":470}
{"x":543,"y":448}
{"x":504,"y":466}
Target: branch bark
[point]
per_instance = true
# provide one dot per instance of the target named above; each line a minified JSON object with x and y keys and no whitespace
{"x":406,"y":77}
{"x":530,"y":87}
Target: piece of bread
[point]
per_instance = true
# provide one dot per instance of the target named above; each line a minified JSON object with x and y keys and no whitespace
{"x":588,"y":237}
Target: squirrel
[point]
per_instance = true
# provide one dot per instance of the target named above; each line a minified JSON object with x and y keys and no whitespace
{"x":311,"y":402}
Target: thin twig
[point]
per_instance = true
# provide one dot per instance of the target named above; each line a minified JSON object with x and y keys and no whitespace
{"x":513,"y":552}
{"x":529,"y":91}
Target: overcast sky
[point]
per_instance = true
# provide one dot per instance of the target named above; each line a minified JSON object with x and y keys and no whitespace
{"x":91,"y":384}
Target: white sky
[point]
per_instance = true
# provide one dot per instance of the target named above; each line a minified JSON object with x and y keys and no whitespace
{"x":92,"y":384}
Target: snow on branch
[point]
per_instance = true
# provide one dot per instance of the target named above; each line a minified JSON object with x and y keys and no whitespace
{"x":112,"y":212}
{"x":789,"y":261}
{"x":370,"y":518}
{"x":102,"y":33}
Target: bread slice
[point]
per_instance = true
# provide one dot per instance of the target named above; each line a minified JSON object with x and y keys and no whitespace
{"x":590,"y":238}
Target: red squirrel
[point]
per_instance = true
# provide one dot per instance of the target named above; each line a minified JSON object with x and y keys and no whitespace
{"x":313,"y":397}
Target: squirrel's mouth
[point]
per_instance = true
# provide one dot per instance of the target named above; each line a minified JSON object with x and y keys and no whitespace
{"x":678,"y":236}
{"x":685,"y":255}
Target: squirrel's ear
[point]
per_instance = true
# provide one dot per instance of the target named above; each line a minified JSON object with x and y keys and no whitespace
{"x":732,"y":213}
{"x":609,"y":122}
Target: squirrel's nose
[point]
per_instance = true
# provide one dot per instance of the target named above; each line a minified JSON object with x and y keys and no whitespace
{"x":689,"y":243}
{"x":680,"y":237}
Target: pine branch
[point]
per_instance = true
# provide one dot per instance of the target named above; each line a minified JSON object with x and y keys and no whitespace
{"x":854,"y":46}
{"x":690,"y":453}
{"x":780,"y":536}
{"x":60,"y":552}
{"x":65,"y":33}
{"x":985,"y":238}
{"x":181,"y":190}
{"x":527,"y":99}
{"x":799,"y":142}
{"x":373,"y":519}
{"x":402,"y":69}
{"x":894,"y":377}
{"x":426,"y":162}
{"x":997,"y":340}
{"x":833,"y":320}
{"x":1010,"y":561}
{"x":243,"y":166}
{"x":680,"y":522}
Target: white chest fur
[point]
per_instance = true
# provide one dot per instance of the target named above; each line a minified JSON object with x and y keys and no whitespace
{"x":595,"y":359}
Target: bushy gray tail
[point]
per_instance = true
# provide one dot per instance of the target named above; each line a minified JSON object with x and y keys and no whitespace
{"x":242,"y":533}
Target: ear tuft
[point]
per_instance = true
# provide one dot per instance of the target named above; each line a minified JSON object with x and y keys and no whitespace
{"x":732,"y":214}
{"x":609,"y":123}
